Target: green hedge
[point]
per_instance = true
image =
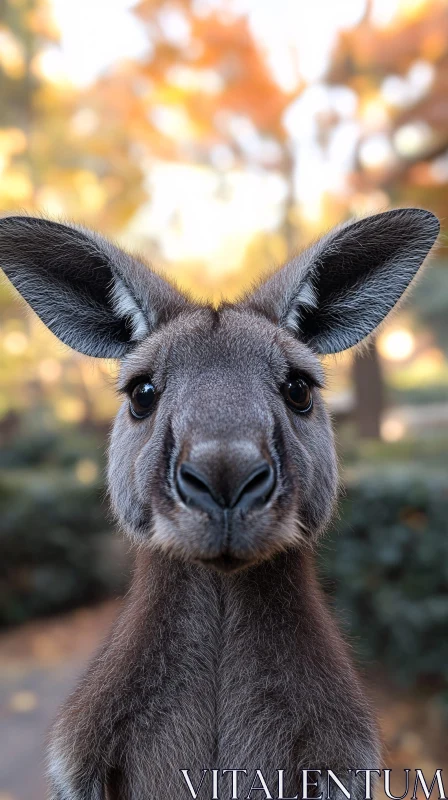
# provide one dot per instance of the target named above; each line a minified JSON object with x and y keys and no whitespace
{"x":386,"y":566}
{"x":55,"y":542}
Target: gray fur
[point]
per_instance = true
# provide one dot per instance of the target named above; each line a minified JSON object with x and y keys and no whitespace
{"x":243,"y":667}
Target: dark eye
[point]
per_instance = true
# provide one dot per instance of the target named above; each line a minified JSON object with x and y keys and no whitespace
{"x":297,"y":394}
{"x":142,"y":399}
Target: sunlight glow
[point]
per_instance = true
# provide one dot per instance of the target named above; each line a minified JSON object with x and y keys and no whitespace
{"x":70,"y":409}
{"x":374,"y":114}
{"x":86,"y":471}
{"x":397,"y":345}
{"x":49,"y":370}
{"x":413,"y":138}
{"x":11,"y":54}
{"x":15,"y":343}
{"x":384,"y":12}
{"x":376,"y":151}
{"x":93,"y":38}
{"x":392,"y":429}
{"x":297,"y":36}
{"x":411,"y":9}
{"x":199,"y":214}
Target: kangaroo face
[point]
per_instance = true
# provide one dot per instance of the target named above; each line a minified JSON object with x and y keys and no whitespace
{"x":222,"y":451}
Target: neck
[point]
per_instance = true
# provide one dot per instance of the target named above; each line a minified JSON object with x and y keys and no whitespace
{"x":239,"y":671}
{"x":256,"y":647}
{"x":277,"y":599}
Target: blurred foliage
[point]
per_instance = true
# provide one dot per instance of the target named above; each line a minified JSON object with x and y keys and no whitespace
{"x":54,"y":156}
{"x":57,"y":551}
{"x":430,"y":301}
{"x":386,"y":565}
{"x":210,"y":80}
{"x":425,"y":451}
{"x":398,"y":73}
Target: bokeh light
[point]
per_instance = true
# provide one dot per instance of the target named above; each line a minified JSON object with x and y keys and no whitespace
{"x":397,"y":345}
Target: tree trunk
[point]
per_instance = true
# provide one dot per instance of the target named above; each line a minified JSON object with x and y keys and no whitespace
{"x":369,"y":396}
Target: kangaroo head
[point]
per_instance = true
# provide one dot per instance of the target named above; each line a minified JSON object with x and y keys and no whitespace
{"x":222,"y":451}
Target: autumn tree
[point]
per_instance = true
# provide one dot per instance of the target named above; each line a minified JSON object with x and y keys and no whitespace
{"x":398,"y":73}
{"x":205,"y":94}
{"x":56,"y":153}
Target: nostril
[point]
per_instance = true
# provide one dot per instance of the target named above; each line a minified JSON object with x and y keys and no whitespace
{"x":193,"y":480}
{"x":194,"y":488}
{"x":256,"y":489}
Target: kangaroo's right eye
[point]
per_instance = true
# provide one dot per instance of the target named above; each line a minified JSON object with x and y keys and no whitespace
{"x":297,"y":394}
{"x":142,"y":399}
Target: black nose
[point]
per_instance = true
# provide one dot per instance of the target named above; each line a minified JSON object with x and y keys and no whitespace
{"x":197,"y":490}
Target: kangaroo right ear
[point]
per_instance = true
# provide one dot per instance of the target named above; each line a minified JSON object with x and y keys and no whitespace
{"x":93,"y":296}
{"x":339,"y":290}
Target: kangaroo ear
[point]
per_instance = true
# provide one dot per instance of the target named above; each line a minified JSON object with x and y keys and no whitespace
{"x":92,"y":295}
{"x":338,"y":291}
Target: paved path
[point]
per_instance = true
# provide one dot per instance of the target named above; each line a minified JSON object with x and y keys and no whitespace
{"x":39,"y":664}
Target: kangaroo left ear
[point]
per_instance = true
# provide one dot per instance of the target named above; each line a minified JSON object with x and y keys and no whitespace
{"x":337,"y":292}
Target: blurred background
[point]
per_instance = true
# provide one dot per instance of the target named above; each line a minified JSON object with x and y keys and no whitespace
{"x":216,"y":137}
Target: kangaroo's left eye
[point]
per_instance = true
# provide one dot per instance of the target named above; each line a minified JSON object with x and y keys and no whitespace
{"x":142,"y":399}
{"x":298,"y":396}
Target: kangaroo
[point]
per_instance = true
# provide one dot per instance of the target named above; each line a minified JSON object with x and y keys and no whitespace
{"x":225,"y":661}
